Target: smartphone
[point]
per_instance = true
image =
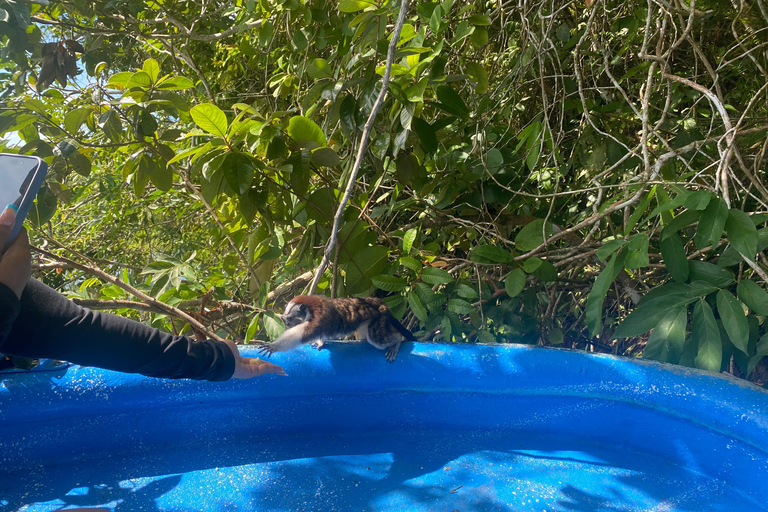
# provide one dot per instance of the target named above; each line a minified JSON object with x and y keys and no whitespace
{"x":21,"y":176}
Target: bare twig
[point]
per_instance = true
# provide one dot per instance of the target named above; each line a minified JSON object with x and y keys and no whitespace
{"x":361,"y":148}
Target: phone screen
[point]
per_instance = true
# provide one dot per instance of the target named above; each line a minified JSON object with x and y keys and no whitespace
{"x":15,"y":176}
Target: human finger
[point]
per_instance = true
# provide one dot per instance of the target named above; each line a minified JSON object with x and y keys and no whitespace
{"x":267,"y":367}
{"x":248,"y":367}
{"x":20,"y":247}
{"x":7,"y":218}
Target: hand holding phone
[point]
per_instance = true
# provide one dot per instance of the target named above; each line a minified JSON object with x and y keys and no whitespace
{"x":20,"y":178}
{"x":15,"y":264}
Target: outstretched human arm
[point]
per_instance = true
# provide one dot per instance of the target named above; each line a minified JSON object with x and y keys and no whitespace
{"x":53,"y":327}
{"x":44,"y":324}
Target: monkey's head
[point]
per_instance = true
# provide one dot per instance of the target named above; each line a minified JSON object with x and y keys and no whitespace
{"x":296,"y":313}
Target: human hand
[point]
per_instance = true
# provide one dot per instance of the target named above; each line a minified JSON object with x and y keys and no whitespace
{"x":248,"y":367}
{"x":16,"y":263}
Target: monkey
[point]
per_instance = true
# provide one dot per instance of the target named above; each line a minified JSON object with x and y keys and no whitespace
{"x":314,"y":319}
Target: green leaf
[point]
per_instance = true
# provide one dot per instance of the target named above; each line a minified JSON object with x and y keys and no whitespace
{"x":355,"y":5}
{"x":692,"y":290}
{"x":273,"y":325}
{"x":110,"y":123}
{"x":434,"y":20}
{"x":434,"y":275}
{"x":698,"y":200}
{"x":44,"y":207}
{"x":140,"y":180}
{"x":639,"y":211}
{"x":416,"y":306}
{"x":485,"y":337}
{"x":734,"y":321}
{"x":480,"y":20}
{"x":159,"y":173}
{"x":79,"y":163}
{"x":210,"y":118}
{"x":477,"y":72}
{"x":451,"y":102}
{"x":686,"y":218}
{"x":637,"y":252}
{"x":139,"y":79}
{"x":515,"y":282}
{"x":555,"y":336}
{"x":742,"y":233}
{"x":186,"y":153}
{"x":762,"y":239}
{"x":709,"y":273}
{"x":390,"y":283}
{"x":408,"y":239}
{"x":426,"y":133}
{"x":609,"y":248}
{"x":325,"y":156}
{"x":238,"y":171}
{"x":490,"y":254}
{"x":675,"y":259}
{"x":666,"y":207}
{"x":446,"y":329}
{"x":144,"y":124}
{"x":760,"y":351}
{"x":252,"y":328}
{"x":494,"y":160}
{"x":461,"y":307}
{"x":711,"y":224}
{"x":596,"y":298}
{"x":531,"y":236}
{"x":121,"y":78}
{"x":410,"y":263}
{"x":364,"y":265}
{"x":753,"y":295}
{"x":178,"y":83}
{"x":151,"y":68}
{"x":729,"y":257}
{"x":479,"y":37}
{"x":705,"y":331}
{"x":465,"y":291}
{"x":304,"y":130}
{"x":531,"y":264}
{"x":668,"y":337}
{"x":650,"y":312}
{"x":75,"y":118}
{"x":546,"y":272}
{"x":161,"y":176}
{"x":347,"y":111}
{"x":319,"y":68}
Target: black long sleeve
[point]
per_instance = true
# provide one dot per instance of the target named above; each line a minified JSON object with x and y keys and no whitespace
{"x":49,"y":326}
{"x":9,"y":310}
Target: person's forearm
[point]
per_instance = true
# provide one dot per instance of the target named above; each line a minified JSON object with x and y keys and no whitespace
{"x":9,"y":310}
{"x":50,"y":326}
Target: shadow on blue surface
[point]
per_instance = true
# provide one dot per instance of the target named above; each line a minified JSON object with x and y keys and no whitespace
{"x":443,"y":428}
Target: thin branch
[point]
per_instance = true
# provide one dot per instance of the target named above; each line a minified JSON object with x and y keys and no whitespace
{"x":170,"y":310}
{"x":361,"y":149}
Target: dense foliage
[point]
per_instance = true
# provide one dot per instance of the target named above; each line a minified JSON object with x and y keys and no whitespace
{"x":538,"y":172}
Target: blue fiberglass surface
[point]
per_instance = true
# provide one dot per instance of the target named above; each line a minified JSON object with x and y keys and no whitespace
{"x":443,"y":428}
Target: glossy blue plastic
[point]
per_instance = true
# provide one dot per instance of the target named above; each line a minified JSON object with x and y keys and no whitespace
{"x":443,"y":428}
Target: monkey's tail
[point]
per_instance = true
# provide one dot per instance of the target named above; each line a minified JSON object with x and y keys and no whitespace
{"x":408,"y":335}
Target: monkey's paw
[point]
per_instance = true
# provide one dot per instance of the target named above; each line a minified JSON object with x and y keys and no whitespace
{"x":318,"y":344}
{"x":266,"y":349}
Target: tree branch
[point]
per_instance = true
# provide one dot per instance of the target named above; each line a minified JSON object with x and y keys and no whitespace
{"x":363,"y":144}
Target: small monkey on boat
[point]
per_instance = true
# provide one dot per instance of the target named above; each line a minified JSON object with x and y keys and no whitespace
{"x":314,"y":319}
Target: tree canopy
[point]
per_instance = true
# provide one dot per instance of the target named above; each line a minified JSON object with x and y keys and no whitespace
{"x":577,"y":174}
